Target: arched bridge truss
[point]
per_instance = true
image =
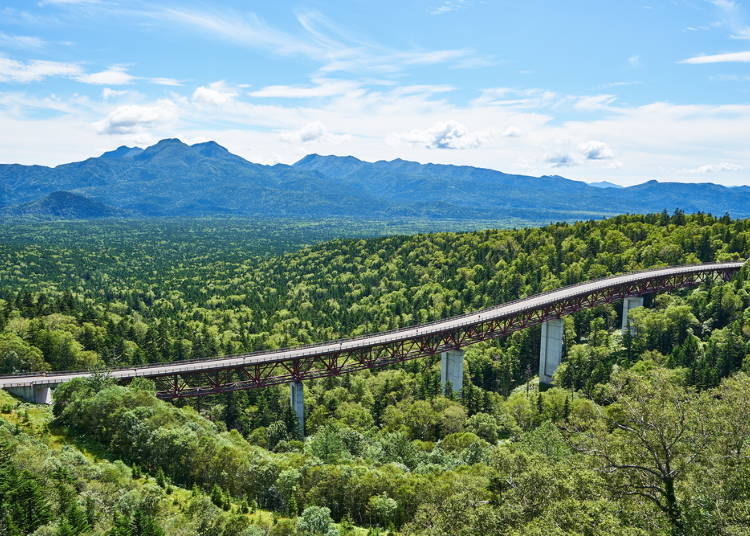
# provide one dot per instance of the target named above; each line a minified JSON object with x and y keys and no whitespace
{"x":233,"y":373}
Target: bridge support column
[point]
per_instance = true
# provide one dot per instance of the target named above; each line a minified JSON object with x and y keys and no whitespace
{"x":297,"y":398}
{"x":36,"y":394}
{"x":452,"y":369}
{"x":627,"y":305}
{"x":551,"y":349}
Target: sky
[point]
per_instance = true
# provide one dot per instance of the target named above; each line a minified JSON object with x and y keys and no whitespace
{"x":617,"y":90}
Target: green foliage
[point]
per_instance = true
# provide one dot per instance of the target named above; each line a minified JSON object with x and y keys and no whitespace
{"x":316,"y":521}
{"x":384,"y":448}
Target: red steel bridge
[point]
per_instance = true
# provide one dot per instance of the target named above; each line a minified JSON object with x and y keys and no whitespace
{"x":260,"y":369}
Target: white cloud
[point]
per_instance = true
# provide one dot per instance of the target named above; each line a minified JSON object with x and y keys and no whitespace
{"x":216,"y":93}
{"x":516,"y":98}
{"x":594,"y":102}
{"x":114,"y":76}
{"x":35,"y":70}
{"x":21,"y":41}
{"x":740,"y":57}
{"x":659,"y":140}
{"x":634,"y":61}
{"x":596,"y":150}
{"x":323,"y":88}
{"x":620,"y":84}
{"x":512,"y":132}
{"x":715,"y":168}
{"x":732,"y":18}
{"x":321,"y":40}
{"x":313,"y":132}
{"x":449,"y":6}
{"x":559,"y":160}
{"x":243,"y":28}
{"x":161,"y":81}
{"x":109,"y":93}
{"x":443,"y":135}
{"x":134,"y":118}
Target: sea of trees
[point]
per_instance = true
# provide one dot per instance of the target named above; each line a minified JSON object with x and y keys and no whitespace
{"x":644,"y":433}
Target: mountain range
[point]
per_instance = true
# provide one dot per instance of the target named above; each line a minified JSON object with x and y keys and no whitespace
{"x":173,"y":179}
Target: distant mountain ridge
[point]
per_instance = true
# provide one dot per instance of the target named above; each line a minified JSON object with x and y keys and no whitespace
{"x":171,"y":178}
{"x":63,"y":205}
{"x":604,"y":184}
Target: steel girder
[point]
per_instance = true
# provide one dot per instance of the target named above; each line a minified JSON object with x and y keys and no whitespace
{"x":263,"y":374}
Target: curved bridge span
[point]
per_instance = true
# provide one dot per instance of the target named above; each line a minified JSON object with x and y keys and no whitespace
{"x":261,"y":369}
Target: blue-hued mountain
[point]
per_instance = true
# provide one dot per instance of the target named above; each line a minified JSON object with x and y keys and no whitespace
{"x":172,"y":178}
{"x":63,"y":206}
{"x":604,"y":184}
{"x":490,"y":191}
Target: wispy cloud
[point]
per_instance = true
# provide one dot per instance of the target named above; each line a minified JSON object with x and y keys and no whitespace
{"x":594,"y":102}
{"x":21,"y":41}
{"x":163,"y":81}
{"x":109,"y":93}
{"x":321,"y":40}
{"x":609,"y":85}
{"x":243,"y":28}
{"x":516,"y":98}
{"x":733,"y":18}
{"x":449,"y":6}
{"x":35,"y":70}
{"x":708,"y":169}
{"x":322,"y":88}
{"x":730,"y":57}
{"x":114,"y":76}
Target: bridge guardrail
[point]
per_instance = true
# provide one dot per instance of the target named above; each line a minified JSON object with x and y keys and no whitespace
{"x":713,"y":266}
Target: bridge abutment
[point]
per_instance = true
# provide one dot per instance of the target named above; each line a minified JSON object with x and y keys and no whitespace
{"x":627,"y":305}
{"x":36,"y":394}
{"x":297,"y":399}
{"x":452,"y":369}
{"x":550,"y":352}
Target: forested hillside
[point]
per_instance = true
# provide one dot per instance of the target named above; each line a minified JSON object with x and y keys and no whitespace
{"x":644,"y":434}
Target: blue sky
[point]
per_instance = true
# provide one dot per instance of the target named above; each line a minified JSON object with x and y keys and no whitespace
{"x":625,"y":91}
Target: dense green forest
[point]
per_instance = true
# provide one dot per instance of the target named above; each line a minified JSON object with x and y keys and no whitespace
{"x":643,"y":434}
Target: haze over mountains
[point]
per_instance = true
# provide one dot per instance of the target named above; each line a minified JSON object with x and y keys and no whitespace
{"x":173,"y":179}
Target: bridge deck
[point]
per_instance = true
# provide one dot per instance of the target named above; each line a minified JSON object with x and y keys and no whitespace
{"x":407,"y":334}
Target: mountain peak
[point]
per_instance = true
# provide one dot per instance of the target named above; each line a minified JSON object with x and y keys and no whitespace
{"x":307,"y":159}
{"x":169,"y":141}
{"x":314,"y":158}
{"x":123,"y":151}
{"x":168,"y":146}
{"x":604,"y":184}
{"x":210,"y":148}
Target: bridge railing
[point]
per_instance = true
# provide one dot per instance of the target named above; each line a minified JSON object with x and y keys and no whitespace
{"x":713,"y":266}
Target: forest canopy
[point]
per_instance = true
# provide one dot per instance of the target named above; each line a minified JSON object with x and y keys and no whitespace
{"x":644,"y":433}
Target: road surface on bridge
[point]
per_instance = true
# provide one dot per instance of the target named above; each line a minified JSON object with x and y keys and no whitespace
{"x":615,"y":287}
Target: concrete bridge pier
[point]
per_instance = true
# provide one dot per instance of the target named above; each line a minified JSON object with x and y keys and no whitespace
{"x":36,"y":394}
{"x":452,"y":369}
{"x":550,"y":352}
{"x":627,"y":305}
{"x":297,"y":398}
